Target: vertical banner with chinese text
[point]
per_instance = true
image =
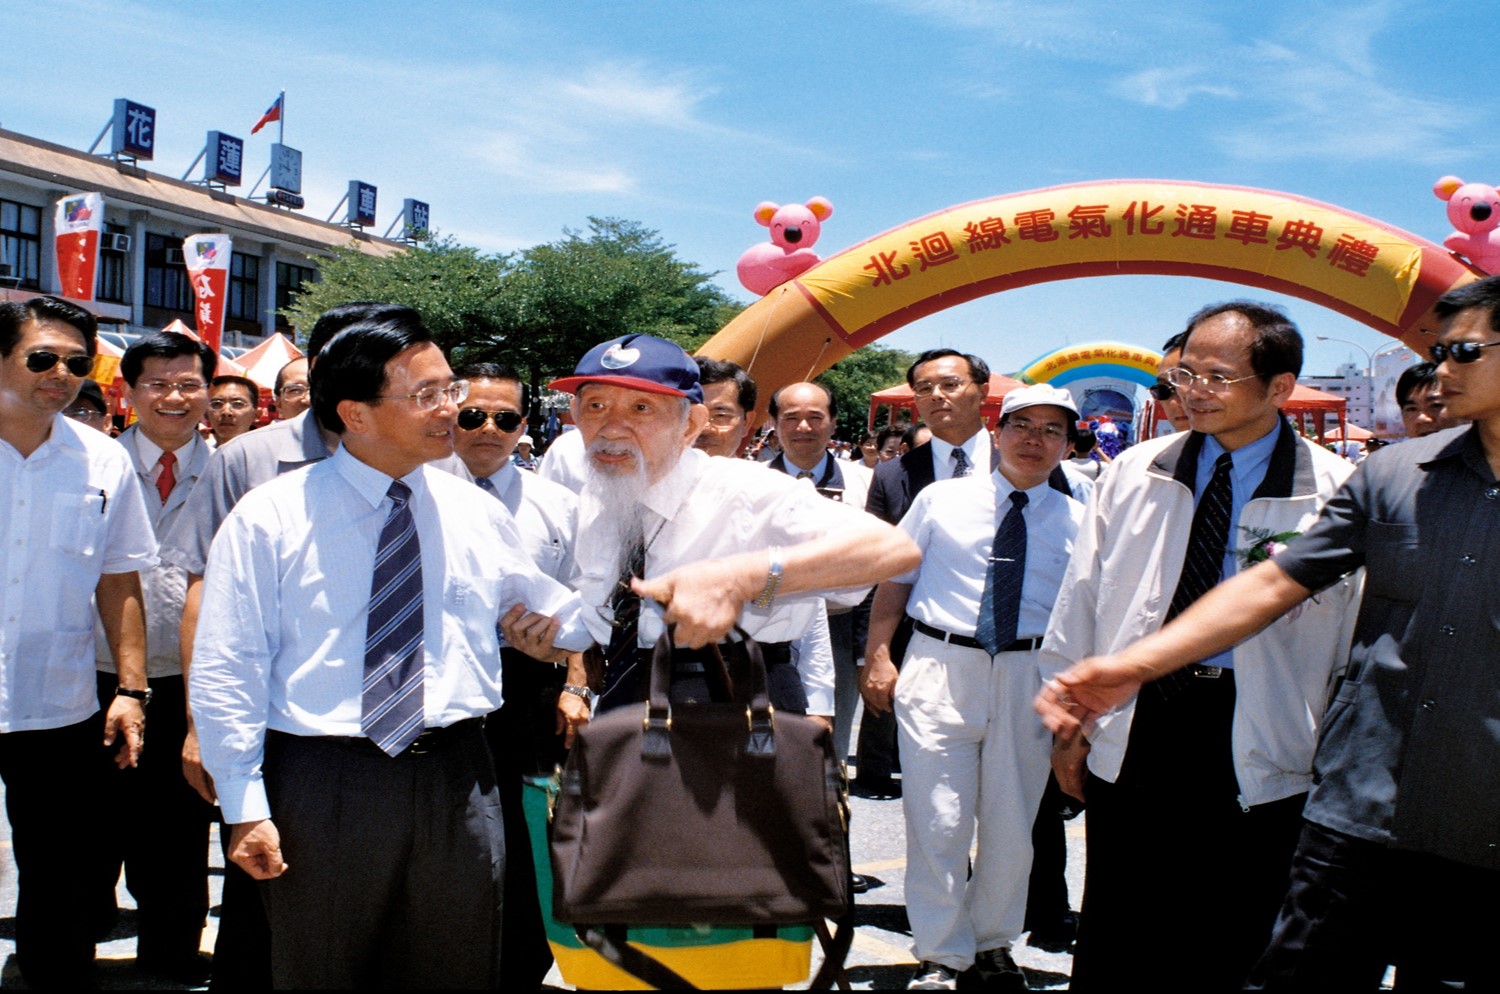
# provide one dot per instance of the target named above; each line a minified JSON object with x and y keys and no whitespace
{"x":80,"y":219}
{"x":207,"y":260}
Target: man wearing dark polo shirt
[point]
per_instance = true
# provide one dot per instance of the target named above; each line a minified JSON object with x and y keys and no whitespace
{"x":1403,"y":819}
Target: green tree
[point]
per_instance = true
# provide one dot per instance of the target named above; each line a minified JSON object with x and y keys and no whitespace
{"x":564,"y":297}
{"x":455,"y":288}
{"x":854,"y":377}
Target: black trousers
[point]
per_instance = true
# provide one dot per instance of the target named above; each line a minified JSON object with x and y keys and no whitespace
{"x":395,"y":865}
{"x":1355,"y":905}
{"x":52,"y":784}
{"x":1174,"y":857}
{"x":524,"y":742}
{"x":161,"y":835}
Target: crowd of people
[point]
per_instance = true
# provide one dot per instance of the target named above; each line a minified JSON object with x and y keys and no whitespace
{"x":353,"y":632}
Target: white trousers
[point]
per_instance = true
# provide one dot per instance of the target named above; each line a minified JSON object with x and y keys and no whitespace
{"x":973,"y":755}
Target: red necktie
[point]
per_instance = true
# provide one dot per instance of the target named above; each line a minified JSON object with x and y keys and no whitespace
{"x":167,"y":479}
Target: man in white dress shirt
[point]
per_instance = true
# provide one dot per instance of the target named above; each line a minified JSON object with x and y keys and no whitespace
{"x":662,"y":536}
{"x":542,"y":701}
{"x":345,"y":654}
{"x":163,"y":844}
{"x":973,"y":753}
{"x":75,"y":527}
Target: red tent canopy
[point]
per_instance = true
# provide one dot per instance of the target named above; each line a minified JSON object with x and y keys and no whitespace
{"x":899,"y":398}
{"x":1306,"y":402}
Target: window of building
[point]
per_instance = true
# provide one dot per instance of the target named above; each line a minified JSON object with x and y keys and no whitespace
{"x":21,"y":244}
{"x":289,"y":279}
{"x":167,"y":284}
{"x":244,"y":287}
{"x":114,"y":271}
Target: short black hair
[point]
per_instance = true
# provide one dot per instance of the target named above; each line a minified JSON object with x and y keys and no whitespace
{"x":886,"y":434}
{"x":281,"y":373}
{"x":351,"y":366}
{"x":14,"y":315}
{"x":497,"y":371}
{"x":239,"y":381}
{"x":1423,"y":374}
{"x":166,"y":345}
{"x":1277,"y":345}
{"x":833,"y":413}
{"x":1072,"y":426}
{"x":712,"y":371}
{"x":1176,"y":342}
{"x":1481,"y":293}
{"x":1085,"y":440}
{"x":979,"y":370}
{"x":341,"y":316}
{"x":909,"y":436}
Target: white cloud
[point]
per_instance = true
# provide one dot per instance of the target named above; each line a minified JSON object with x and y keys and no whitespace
{"x":1169,"y":87}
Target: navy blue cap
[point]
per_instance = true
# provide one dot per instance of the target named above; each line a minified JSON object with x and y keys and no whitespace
{"x":637,"y":362}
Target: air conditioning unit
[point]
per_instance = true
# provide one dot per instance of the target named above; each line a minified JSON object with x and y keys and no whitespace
{"x":174,"y":257}
{"x":7,"y":271}
{"x":111,"y":242}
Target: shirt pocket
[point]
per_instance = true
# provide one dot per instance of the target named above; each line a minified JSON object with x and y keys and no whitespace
{"x":1393,"y":564}
{"x":77,"y":523}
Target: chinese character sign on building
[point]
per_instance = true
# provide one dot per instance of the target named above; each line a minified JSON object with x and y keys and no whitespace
{"x":418,"y":217}
{"x":361,"y":204}
{"x":134,"y":130}
{"x":80,"y":219}
{"x":222,"y":159}
{"x":207,"y":260}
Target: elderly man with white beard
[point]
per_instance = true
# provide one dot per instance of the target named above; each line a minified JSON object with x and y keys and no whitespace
{"x":663,"y":542}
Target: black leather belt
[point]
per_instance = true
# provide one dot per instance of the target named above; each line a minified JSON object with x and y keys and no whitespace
{"x":969,"y":642}
{"x":430,"y":740}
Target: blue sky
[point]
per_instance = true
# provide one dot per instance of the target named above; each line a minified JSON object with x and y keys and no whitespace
{"x":515,"y":120}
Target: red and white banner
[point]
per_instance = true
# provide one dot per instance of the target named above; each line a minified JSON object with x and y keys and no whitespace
{"x":80,"y":219}
{"x":207,"y":259}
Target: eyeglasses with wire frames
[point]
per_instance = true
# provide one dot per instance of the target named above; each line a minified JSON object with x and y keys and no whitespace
{"x":41,"y":360}
{"x":947,"y":385}
{"x":1183,"y":379}
{"x":185,"y":387}
{"x":1047,"y":433}
{"x":429,"y":399}
{"x":233,"y":403}
{"x":473,"y":419}
{"x":1462,"y":353}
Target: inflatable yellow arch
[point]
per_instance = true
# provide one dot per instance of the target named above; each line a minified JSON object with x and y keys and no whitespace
{"x":1374,"y":273}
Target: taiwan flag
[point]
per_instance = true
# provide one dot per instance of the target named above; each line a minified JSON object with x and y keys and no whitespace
{"x":273,"y":113}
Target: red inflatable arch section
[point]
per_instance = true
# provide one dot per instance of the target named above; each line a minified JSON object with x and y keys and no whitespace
{"x":1374,"y":273}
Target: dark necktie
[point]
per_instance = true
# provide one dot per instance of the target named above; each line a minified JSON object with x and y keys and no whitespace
{"x":167,"y":478}
{"x":1203,"y":564}
{"x":1000,"y":607}
{"x":620,"y":654}
{"x":804,"y":474}
{"x":962,"y":467}
{"x":483,"y":483}
{"x":391,"y":712}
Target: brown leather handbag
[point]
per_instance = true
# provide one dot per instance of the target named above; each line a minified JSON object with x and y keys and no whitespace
{"x":702,"y":813}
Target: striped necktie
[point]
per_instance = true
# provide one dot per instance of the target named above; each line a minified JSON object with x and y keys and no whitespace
{"x":1000,"y":607}
{"x":391,"y":712}
{"x":1203,"y":563}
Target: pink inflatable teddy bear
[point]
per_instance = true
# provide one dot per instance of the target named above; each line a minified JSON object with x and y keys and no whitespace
{"x":1474,"y":209}
{"x":794,"y":229}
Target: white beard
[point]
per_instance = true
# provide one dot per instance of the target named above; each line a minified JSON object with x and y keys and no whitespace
{"x":621,"y":495}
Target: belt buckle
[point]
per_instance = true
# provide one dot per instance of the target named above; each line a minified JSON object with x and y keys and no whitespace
{"x":422,"y":744}
{"x":1208,"y":672}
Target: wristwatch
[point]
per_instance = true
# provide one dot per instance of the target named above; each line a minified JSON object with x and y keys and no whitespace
{"x":589,"y":697}
{"x":144,"y":696}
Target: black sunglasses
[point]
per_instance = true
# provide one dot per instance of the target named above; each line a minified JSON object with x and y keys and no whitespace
{"x":78,"y":365}
{"x":1460,"y":352}
{"x":1162,"y":391}
{"x":473,"y":419}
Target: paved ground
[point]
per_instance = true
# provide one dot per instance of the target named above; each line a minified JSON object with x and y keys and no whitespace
{"x":880,"y":958}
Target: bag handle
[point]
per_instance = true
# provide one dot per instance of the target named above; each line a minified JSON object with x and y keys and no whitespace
{"x":759,"y":715}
